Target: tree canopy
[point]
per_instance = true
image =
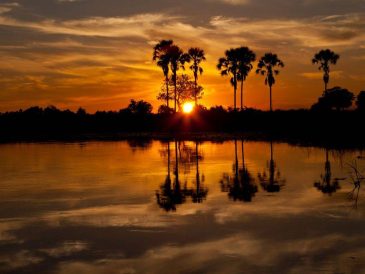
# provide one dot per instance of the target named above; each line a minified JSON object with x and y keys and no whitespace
{"x":335,"y":98}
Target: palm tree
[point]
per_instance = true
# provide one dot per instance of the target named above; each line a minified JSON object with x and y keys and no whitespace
{"x":246,"y":57}
{"x":197,"y":56}
{"x":324,"y":58}
{"x":161,"y":56}
{"x":228,"y":65}
{"x":266,"y":67}
{"x":177,"y":59}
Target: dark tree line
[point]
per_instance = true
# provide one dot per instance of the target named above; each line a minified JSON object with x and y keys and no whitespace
{"x":303,"y":126}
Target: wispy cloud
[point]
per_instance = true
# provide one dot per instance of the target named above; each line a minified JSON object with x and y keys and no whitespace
{"x":133,"y":26}
{"x":233,"y":2}
{"x":111,"y":56}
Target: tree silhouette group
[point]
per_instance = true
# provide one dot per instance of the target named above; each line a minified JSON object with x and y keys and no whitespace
{"x":171,"y":58}
{"x":237,"y":64}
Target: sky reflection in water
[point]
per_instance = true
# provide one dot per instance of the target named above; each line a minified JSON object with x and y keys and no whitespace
{"x":179,"y":207}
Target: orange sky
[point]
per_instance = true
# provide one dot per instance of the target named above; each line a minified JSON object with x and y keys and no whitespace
{"x":82,"y":53}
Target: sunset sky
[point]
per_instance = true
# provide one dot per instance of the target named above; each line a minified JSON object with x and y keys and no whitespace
{"x":98,"y":54}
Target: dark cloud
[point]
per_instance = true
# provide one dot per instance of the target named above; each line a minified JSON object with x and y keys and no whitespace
{"x":196,"y":10}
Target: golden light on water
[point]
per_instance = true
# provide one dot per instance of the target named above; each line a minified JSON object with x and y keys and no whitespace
{"x":188,"y":107}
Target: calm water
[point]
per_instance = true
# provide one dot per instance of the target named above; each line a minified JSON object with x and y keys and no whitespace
{"x":134,"y":207}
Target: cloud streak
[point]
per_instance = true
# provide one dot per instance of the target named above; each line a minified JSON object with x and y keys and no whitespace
{"x":112,"y":55}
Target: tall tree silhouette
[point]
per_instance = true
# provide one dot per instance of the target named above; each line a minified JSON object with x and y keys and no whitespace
{"x":245,"y":57}
{"x":267,"y":67}
{"x":228,"y":66}
{"x":197,"y":56}
{"x":324,"y":58}
{"x":271,"y":182}
{"x":177,"y":60}
{"x":162,"y":57}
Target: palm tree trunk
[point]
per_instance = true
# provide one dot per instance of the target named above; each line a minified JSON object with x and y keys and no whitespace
{"x":241,"y":94}
{"x":243,"y":155}
{"x":197,"y":168}
{"x":175,"y":91}
{"x":235,"y":91}
{"x":196,"y":88}
{"x":167,"y":91}
{"x":176,"y":163}
{"x":235,"y":108}
{"x":270,"y":98}
{"x":326,"y":78}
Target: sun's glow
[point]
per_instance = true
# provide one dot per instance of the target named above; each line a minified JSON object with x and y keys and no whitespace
{"x":188,"y":107}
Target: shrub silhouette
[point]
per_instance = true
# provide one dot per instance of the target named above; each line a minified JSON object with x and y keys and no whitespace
{"x":139,"y":107}
{"x":335,"y":98}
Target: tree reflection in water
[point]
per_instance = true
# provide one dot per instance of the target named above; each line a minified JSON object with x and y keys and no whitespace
{"x":270,"y":179}
{"x":200,"y":192}
{"x":241,"y":186}
{"x":326,"y":185}
{"x":170,"y":194}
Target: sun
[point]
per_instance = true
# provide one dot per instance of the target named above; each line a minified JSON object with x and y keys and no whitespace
{"x":188,"y":107}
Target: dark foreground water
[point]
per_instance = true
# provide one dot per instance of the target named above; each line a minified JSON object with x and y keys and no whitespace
{"x":180,"y":207}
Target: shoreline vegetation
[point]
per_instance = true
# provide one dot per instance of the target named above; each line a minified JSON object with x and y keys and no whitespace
{"x":337,"y":129}
{"x":332,"y":121}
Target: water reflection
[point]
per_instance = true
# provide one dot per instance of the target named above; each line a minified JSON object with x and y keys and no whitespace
{"x":118,"y":207}
{"x":199,"y":192}
{"x":326,"y":184}
{"x":356,"y":179}
{"x":170,"y":195}
{"x":241,"y":184}
{"x":139,"y":144}
{"x":270,"y":179}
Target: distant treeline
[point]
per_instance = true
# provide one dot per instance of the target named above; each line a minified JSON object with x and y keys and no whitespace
{"x":325,"y":127}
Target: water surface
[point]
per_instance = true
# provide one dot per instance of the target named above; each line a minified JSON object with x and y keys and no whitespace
{"x":180,"y":207}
